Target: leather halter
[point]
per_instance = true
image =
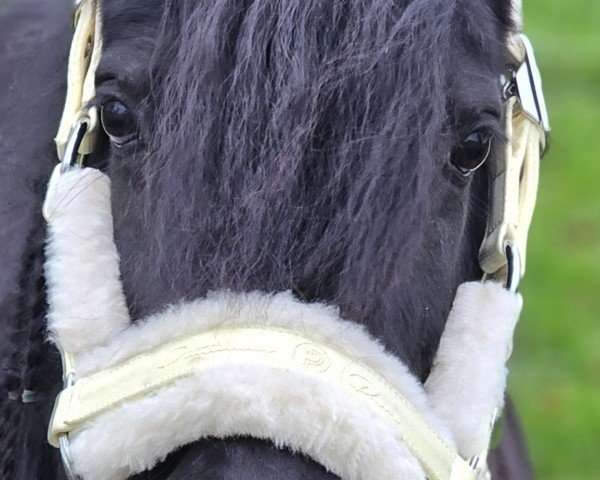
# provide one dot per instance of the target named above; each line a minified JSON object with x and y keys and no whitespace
{"x":502,"y":256}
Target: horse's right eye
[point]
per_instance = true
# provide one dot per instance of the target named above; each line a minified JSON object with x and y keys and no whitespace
{"x":472,"y":152}
{"x":118,"y":122}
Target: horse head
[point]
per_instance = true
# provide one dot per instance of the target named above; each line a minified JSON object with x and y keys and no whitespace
{"x":336,"y":151}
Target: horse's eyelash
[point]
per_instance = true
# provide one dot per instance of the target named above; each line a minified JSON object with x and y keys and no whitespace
{"x":494,"y":128}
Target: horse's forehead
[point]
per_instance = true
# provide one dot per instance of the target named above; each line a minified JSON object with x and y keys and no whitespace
{"x":134,"y":25}
{"x":131,"y":20}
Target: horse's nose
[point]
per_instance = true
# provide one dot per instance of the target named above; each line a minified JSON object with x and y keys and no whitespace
{"x":239,"y":459}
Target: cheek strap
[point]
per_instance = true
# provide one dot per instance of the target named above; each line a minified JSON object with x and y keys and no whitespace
{"x":514,"y":176}
{"x":84,"y":57}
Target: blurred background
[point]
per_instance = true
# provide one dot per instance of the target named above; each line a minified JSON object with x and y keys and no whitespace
{"x":555,"y":369}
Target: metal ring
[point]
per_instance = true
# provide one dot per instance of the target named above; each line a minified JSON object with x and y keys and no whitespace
{"x":513,"y":269}
{"x":63,"y":440}
{"x":71,"y":157}
{"x":67,"y":460}
{"x":513,"y":274}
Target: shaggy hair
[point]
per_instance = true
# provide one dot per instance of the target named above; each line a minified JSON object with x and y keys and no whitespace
{"x":303,"y":145}
{"x":283,"y":145}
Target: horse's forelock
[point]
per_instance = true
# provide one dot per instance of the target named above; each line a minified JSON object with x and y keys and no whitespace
{"x":297,"y":121}
{"x":297,"y":144}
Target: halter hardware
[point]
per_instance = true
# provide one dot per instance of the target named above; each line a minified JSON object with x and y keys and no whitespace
{"x":525,"y":82}
{"x":63,"y":440}
{"x":72,"y":157}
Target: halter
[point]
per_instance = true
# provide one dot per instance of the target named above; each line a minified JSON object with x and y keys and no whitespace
{"x":107,"y":371}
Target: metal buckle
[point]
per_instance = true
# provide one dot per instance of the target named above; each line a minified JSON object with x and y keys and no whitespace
{"x":526,"y":83}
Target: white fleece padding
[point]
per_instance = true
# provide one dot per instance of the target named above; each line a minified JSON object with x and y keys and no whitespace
{"x":293,"y":410}
{"x":87,"y":305}
{"x":468,"y":379}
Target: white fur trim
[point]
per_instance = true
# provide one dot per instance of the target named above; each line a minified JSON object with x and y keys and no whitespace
{"x":291,"y":410}
{"x":82,"y":271}
{"x":468,"y":379}
{"x":326,"y":424}
{"x":222,"y":309}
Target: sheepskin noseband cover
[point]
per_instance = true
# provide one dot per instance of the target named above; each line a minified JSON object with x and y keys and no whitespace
{"x":88,"y":319}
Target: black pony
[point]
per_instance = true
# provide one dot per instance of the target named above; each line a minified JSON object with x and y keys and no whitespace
{"x":323,"y":147}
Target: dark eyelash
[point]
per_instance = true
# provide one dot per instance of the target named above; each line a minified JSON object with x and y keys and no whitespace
{"x":491,"y":126}
{"x":102,"y":99}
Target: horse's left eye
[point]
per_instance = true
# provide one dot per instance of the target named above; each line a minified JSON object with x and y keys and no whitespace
{"x":472,"y":152}
{"x":118,"y":122}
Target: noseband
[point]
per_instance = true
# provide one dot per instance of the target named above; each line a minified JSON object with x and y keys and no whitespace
{"x":365,"y":415}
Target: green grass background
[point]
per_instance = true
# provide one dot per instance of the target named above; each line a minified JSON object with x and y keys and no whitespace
{"x":555,"y":369}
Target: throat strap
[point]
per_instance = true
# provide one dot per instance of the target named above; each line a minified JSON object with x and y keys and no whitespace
{"x":146,"y":373}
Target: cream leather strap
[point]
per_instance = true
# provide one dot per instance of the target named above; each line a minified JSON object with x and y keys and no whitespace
{"x":84,"y":57}
{"x":76,"y":136}
{"x":146,"y":373}
{"x":514,"y":176}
